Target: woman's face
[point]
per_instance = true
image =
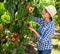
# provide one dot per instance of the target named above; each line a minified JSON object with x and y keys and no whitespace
{"x":46,"y":14}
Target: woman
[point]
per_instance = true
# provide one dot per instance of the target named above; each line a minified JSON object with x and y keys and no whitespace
{"x":46,"y":30}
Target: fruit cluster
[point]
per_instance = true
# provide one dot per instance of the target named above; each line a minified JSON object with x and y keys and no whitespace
{"x":14,"y":37}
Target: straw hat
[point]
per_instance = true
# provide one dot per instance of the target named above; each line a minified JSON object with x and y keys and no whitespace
{"x":51,"y":10}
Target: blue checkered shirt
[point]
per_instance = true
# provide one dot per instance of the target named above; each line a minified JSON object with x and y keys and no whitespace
{"x":46,"y":31}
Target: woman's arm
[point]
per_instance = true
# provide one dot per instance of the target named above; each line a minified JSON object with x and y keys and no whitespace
{"x":38,"y":20}
{"x":46,"y":35}
{"x":36,"y":33}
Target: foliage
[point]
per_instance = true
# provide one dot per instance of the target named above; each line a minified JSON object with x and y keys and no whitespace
{"x":15,"y":20}
{"x":2,"y":9}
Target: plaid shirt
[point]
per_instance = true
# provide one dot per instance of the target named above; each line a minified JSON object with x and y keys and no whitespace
{"x":46,"y":31}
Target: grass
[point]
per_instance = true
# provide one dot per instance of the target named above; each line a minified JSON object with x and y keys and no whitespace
{"x":56,"y":46}
{"x":56,"y":43}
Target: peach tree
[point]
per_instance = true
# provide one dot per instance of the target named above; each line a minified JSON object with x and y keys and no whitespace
{"x":14,"y":22}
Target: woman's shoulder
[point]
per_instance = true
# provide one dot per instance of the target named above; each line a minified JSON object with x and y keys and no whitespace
{"x":51,"y":24}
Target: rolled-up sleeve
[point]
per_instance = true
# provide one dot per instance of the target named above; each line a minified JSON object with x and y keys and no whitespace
{"x":38,"y":20}
{"x":47,"y":34}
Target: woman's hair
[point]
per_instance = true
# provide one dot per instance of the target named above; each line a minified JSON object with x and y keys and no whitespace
{"x":51,"y":18}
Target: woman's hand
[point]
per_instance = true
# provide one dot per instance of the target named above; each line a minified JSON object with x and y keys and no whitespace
{"x":31,"y":28}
